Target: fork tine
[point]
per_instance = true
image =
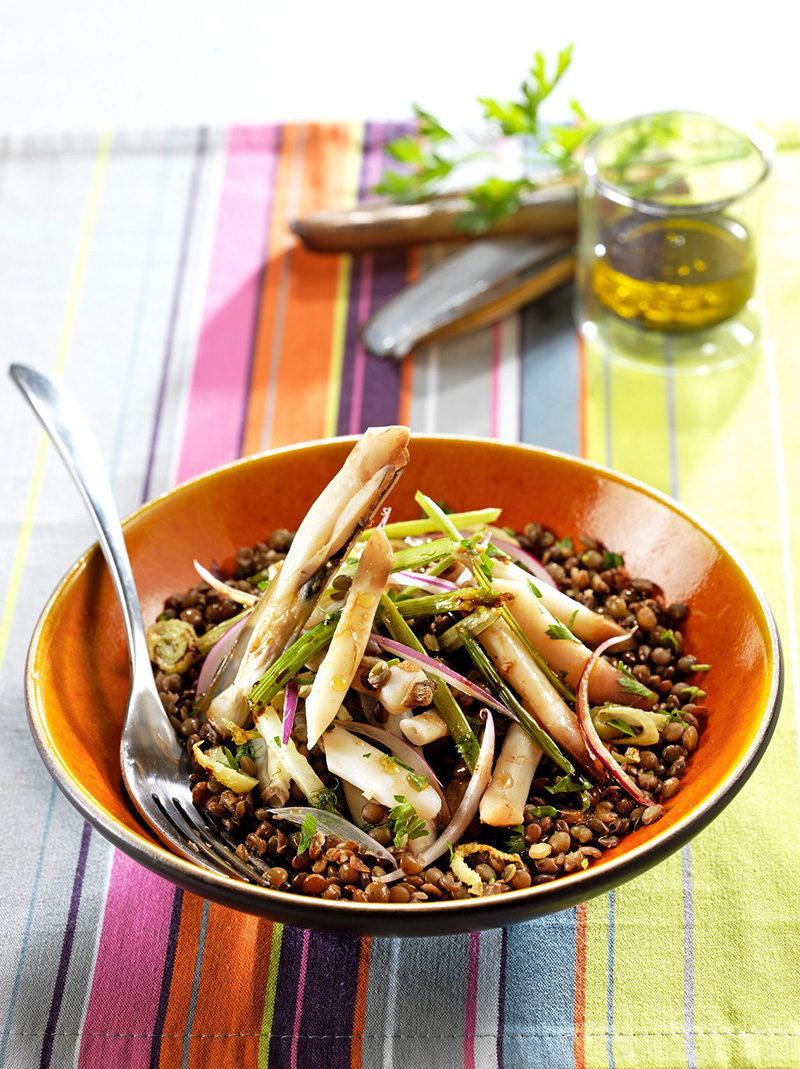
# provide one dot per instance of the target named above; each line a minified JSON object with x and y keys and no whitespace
{"x":200,"y":853}
{"x":214,"y":843}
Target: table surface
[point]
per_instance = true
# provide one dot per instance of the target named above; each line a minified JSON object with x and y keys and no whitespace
{"x":136,"y":265}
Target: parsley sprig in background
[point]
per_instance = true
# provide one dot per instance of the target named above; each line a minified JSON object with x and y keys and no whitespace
{"x":432,"y":154}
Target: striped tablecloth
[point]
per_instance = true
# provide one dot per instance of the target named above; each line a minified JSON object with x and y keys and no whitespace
{"x":157,"y":275}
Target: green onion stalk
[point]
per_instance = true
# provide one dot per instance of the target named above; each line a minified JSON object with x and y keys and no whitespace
{"x":482,"y":573}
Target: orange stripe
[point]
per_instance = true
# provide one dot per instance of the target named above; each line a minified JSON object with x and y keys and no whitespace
{"x":359,"y":1012}
{"x":303,"y":376}
{"x":407,"y":367}
{"x":579,"y":1044}
{"x":180,"y":991}
{"x":298,"y":300}
{"x":230,"y":996}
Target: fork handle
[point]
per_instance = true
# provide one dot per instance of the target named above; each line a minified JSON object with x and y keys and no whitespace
{"x":65,"y":422}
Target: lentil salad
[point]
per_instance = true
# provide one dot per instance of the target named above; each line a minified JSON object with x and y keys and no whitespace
{"x":438,"y":783}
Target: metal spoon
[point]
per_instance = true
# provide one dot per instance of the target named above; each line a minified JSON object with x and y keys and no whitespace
{"x":155,"y":765}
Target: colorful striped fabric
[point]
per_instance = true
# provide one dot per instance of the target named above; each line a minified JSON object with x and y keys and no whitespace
{"x":157,"y":275}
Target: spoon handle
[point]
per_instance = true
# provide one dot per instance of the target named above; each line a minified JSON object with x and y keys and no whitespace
{"x":65,"y":422}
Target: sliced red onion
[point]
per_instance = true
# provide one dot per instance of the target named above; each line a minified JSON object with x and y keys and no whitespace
{"x":289,"y":709}
{"x":216,"y":656}
{"x":432,"y":583}
{"x":385,"y":514}
{"x":406,"y":752}
{"x":243,"y":597}
{"x":465,"y":814}
{"x":436,"y":668}
{"x":334,"y":824}
{"x":594,"y":743}
{"x":522,"y":557}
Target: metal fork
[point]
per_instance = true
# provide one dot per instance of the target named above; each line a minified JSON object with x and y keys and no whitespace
{"x":155,"y":765}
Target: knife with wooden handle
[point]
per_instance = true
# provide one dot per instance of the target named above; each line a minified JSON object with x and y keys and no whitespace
{"x":550,"y":210}
{"x":484,"y":280}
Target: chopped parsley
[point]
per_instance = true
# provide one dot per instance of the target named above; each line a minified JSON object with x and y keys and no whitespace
{"x":667,"y":637}
{"x":585,"y":863}
{"x":564,"y":543}
{"x":307,"y":833}
{"x":539,"y":811}
{"x":611,"y":560}
{"x":619,"y":725}
{"x":245,"y":750}
{"x":692,"y":692}
{"x":405,"y":822}
{"x":418,"y":781}
{"x":515,"y":843}
{"x":559,"y":631}
{"x":631,"y":684}
{"x":534,"y":589}
{"x":230,"y":759}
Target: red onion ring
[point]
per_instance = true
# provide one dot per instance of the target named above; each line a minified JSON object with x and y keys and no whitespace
{"x":434,"y":667}
{"x":521,"y":556}
{"x":216,"y":656}
{"x":432,"y":583}
{"x":594,"y":744}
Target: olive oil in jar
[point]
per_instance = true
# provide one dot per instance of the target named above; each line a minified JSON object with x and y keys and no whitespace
{"x":674,"y":275}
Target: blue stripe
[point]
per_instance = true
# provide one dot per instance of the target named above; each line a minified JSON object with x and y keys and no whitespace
{"x":28,"y":924}
{"x":198,"y":967}
{"x":539,"y":1010}
{"x":550,"y":370}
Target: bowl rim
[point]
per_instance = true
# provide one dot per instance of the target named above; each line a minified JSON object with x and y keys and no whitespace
{"x":424,"y":918}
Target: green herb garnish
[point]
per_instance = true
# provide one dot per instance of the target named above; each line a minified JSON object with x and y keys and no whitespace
{"x":515,"y":843}
{"x":611,"y":560}
{"x":419,"y":782}
{"x":432,"y":154}
{"x":539,"y":811}
{"x":620,"y":726}
{"x":560,"y":631}
{"x":631,"y":684}
{"x":307,"y":833}
{"x":407,"y":825}
{"x":231,"y":759}
{"x":667,"y":638}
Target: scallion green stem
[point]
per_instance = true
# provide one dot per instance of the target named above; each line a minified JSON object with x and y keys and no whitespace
{"x":461,"y":520}
{"x":451,"y":640}
{"x":480,"y":569}
{"x":446,"y":705}
{"x":292,"y":660}
{"x":408,"y":560}
{"x":206,"y":642}
{"x":505,"y":694}
{"x":463,"y":600}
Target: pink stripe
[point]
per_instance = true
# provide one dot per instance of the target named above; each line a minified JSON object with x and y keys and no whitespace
{"x":301,"y":985}
{"x":472,"y":1001}
{"x":372,"y":173}
{"x":218,"y":397}
{"x":130,"y":963}
{"x":494,"y":401}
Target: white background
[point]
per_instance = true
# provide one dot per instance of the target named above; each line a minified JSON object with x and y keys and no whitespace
{"x":79,"y":65}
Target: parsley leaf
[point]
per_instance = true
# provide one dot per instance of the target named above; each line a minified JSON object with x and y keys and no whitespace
{"x":539,"y":811}
{"x":611,"y":560}
{"x":418,"y":781}
{"x":307,"y":833}
{"x":407,"y":825}
{"x":232,"y":761}
{"x":560,"y":631}
{"x":631,"y":684}
{"x":667,"y":637}
{"x":620,"y":726}
{"x":515,"y":843}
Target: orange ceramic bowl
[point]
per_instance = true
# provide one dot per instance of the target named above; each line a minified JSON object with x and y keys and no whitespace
{"x":77,"y":672}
